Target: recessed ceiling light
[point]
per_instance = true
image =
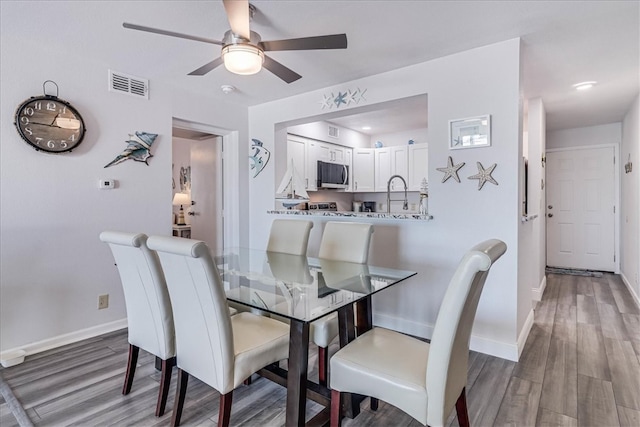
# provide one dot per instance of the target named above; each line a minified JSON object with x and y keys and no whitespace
{"x":366,"y":127}
{"x":584,"y":85}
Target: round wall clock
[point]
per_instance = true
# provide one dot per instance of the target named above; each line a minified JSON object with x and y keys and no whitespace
{"x":50,"y":124}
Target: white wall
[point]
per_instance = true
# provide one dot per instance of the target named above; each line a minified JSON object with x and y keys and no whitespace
{"x":463,"y":215}
{"x":53,"y":265}
{"x":536,"y":259}
{"x":590,"y":135}
{"x":319,"y":131}
{"x":402,"y":137}
{"x":630,"y":195}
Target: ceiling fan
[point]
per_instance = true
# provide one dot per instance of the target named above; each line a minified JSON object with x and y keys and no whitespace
{"x":243,"y":49}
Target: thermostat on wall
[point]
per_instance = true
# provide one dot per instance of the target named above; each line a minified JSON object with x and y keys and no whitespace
{"x":107,"y":184}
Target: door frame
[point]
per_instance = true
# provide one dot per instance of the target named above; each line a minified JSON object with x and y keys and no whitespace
{"x":230,"y":156}
{"x":616,"y":195}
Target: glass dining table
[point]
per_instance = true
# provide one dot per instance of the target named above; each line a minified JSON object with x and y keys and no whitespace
{"x":304,"y":289}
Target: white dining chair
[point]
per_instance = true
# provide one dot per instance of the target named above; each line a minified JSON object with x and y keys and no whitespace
{"x":341,"y":241}
{"x":219,"y":349}
{"x":289,"y":236}
{"x":149,"y":312}
{"x":425,"y":380}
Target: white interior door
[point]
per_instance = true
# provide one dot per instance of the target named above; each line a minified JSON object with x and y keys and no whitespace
{"x":581,"y":209}
{"x":206,"y":192}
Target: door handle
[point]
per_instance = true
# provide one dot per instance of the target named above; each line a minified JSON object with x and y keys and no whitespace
{"x":549,"y":215}
{"x":192,"y":213}
{"x":550,"y":206}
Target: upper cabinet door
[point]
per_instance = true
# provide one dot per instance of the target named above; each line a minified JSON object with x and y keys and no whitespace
{"x":363,"y":170}
{"x":391,"y":161}
{"x":382,"y":168}
{"x":418,"y":165}
{"x":301,"y":151}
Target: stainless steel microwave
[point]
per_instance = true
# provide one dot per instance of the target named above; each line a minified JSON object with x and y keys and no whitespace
{"x":332,"y":175}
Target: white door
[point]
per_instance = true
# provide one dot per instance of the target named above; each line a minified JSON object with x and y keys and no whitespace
{"x":206,"y":192}
{"x":581,"y":209}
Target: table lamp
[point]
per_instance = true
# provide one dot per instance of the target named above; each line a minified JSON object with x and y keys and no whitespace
{"x":181,"y":199}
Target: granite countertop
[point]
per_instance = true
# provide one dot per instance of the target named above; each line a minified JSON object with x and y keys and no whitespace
{"x":349,"y":214}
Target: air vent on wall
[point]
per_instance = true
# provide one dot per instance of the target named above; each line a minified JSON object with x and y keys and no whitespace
{"x":130,"y":85}
{"x":334,"y":132}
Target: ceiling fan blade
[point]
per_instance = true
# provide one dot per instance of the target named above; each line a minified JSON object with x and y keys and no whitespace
{"x":286,"y":74}
{"x":238,"y":16}
{"x":206,"y":67}
{"x":333,"y":41}
{"x":169,"y":33}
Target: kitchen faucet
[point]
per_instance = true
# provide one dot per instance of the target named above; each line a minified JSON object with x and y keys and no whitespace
{"x":405,"y":206}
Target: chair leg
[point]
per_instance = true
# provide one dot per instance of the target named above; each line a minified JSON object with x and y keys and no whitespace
{"x":461,"y":410}
{"x":374,"y":404}
{"x":247,"y":381}
{"x":336,"y":419}
{"x":323,"y":362}
{"x":225,"y":409}
{"x":165,"y":381}
{"x":181,"y":392}
{"x":131,"y":368}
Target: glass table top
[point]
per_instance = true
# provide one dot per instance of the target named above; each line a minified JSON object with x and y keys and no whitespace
{"x":299,"y":287}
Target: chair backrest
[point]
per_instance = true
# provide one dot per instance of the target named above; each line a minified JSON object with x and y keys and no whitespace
{"x":204,"y":337}
{"x":346,"y":241}
{"x":149,"y":312}
{"x":449,"y":350}
{"x":289,"y":236}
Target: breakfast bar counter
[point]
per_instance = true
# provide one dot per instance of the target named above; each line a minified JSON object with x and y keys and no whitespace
{"x":349,"y":214}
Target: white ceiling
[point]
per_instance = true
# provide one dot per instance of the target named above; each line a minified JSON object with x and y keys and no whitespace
{"x":564,"y":42}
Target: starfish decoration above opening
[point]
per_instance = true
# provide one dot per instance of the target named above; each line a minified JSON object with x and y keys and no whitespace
{"x":484,"y":175}
{"x":340,"y":99}
{"x":451,"y":171}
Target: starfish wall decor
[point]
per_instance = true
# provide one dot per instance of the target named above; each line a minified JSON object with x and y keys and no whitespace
{"x":451,"y":171}
{"x":343,"y":98}
{"x":484,"y":175}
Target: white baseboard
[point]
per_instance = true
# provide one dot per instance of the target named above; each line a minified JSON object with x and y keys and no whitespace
{"x":536,"y":293}
{"x":524,"y":333}
{"x":480,"y":344}
{"x":60,"y":340}
{"x":631,"y":291}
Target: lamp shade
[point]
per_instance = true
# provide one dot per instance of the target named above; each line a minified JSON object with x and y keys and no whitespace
{"x":242,"y":59}
{"x":181,"y":199}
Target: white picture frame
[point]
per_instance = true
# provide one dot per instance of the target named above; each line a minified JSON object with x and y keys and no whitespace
{"x":472,"y":132}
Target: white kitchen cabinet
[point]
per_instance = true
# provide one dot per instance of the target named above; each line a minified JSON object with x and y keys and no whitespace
{"x":330,"y":153}
{"x":298,"y":150}
{"x":418,"y":165}
{"x":391,"y":161}
{"x":363,"y":170}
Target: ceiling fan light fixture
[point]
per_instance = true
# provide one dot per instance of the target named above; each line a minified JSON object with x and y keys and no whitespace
{"x":243,"y":59}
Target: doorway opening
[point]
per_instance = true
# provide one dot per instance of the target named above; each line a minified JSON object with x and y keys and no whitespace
{"x":198,"y":171}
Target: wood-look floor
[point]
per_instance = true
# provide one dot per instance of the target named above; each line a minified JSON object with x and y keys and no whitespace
{"x":580,"y":367}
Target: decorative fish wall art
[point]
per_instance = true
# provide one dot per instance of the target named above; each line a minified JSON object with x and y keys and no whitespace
{"x":138,"y":148}
{"x":259,"y":157}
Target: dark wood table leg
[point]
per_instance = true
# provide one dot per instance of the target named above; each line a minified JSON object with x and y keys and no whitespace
{"x":364,"y":316}
{"x":297,"y":375}
{"x":350,"y":402}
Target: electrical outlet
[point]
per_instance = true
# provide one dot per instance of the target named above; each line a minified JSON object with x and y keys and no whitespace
{"x":103,"y":301}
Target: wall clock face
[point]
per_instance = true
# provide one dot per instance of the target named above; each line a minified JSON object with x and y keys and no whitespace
{"x":49,"y":124}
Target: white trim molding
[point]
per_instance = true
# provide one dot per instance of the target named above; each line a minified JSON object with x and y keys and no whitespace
{"x":627,"y":283}
{"x":72,"y":337}
{"x":480,"y":344}
{"x":536,"y":293}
